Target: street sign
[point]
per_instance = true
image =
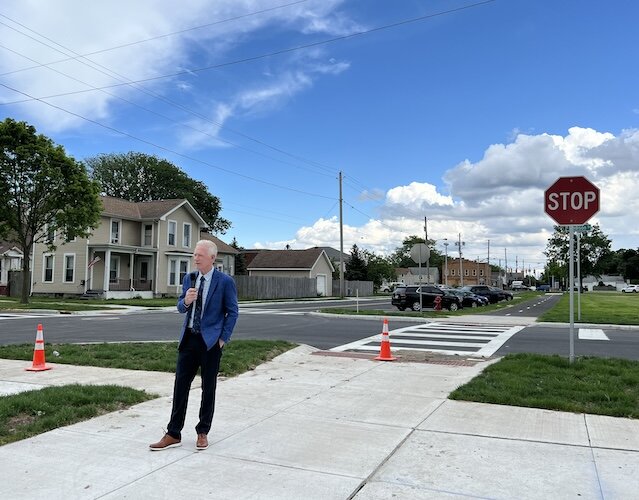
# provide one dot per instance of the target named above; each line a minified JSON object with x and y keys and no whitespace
{"x":584,"y":228}
{"x":571,"y":200}
{"x":420,"y":253}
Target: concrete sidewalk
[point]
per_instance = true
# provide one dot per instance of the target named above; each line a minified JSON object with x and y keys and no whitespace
{"x":322,"y":427}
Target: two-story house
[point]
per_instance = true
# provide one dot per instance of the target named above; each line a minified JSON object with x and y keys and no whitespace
{"x":139,"y":249}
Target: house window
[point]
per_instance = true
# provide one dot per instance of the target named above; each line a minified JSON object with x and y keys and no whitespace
{"x":50,"y":234}
{"x":481,"y":272}
{"x":172,"y":271}
{"x":474,"y":272}
{"x":114,"y":268}
{"x":465,"y":272}
{"x":184,"y":268}
{"x":148,"y":235}
{"x":69,"y":267}
{"x":176,"y":266}
{"x":172,"y":231}
{"x":452,"y":272}
{"x":186,"y":235}
{"x":115,"y":232}
{"x":48,"y":268}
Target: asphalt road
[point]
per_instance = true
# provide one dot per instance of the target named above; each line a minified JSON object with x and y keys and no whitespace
{"x":289,"y":321}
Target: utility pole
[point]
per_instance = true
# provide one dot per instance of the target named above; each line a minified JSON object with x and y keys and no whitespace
{"x":341,"y":241}
{"x":427,"y":258}
{"x":461,"y":265}
{"x":505,"y":268}
{"x":446,"y":261}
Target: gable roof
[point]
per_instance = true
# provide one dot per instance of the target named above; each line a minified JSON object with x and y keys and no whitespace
{"x":221,"y":246}
{"x":145,"y":210}
{"x":287,"y":259}
{"x":6,"y":247}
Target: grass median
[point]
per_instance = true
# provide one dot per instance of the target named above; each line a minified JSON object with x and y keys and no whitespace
{"x":600,"y":386}
{"x":30,"y":413}
{"x":614,"y":308}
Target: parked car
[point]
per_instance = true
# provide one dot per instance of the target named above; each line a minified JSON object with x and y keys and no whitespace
{"x":503,"y":294}
{"x":389,"y":287}
{"x":630,"y":289}
{"x":469,"y":299}
{"x":493,"y":294}
{"x":417,"y":297}
{"x":543,"y":288}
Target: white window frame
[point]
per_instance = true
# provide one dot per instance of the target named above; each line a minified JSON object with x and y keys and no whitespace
{"x":115,"y":241}
{"x":64,"y":271}
{"x":49,"y":234}
{"x":44,"y":268}
{"x":178,"y":275}
{"x":144,"y":244}
{"x":168,"y":233}
{"x":187,"y":244}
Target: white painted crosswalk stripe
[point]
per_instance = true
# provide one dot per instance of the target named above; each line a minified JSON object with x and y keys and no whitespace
{"x":443,"y":338}
{"x":592,"y":334}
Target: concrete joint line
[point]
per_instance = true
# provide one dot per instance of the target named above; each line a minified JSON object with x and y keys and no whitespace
{"x":594,"y":459}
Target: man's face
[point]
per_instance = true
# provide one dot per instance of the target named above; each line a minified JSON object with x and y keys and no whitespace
{"x":203,"y":261}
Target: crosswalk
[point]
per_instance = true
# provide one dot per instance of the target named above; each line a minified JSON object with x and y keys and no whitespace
{"x":25,"y":315}
{"x":439,"y":337}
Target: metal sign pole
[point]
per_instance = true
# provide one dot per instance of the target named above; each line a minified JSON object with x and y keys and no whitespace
{"x":579,"y":276}
{"x":571,"y":283}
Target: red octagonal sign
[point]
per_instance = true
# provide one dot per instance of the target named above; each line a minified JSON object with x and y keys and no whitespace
{"x":571,"y":200}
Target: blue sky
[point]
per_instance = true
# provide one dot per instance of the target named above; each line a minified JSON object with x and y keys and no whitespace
{"x":464,"y":116}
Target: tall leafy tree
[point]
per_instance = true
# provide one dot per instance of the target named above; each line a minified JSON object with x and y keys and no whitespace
{"x":240,"y":261}
{"x":594,"y":251}
{"x":401,"y":256}
{"x":41,"y":189}
{"x":356,"y":266}
{"x":141,"y":177}
{"x":378,"y":269}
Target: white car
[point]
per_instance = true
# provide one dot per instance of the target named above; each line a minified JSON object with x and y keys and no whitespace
{"x":630,"y":288}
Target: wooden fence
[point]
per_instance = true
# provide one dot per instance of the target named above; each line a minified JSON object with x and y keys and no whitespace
{"x":354,"y":288}
{"x":274,"y":287}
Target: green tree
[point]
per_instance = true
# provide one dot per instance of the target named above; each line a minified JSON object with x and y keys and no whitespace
{"x":378,"y":269}
{"x":240,"y":261}
{"x":41,"y":189}
{"x":356,"y":266}
{"x":141,"y":177}
{"x":594,"y":251}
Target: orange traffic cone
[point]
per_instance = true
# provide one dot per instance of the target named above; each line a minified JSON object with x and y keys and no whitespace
{"x":38,"y":353}
{"x":385,"y":349}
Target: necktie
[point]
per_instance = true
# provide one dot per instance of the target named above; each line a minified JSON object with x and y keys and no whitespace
{"x":197,"y":314}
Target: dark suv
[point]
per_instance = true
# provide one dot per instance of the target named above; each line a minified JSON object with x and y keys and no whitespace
{"x":493,"y":294}
{"x":417,"y":297}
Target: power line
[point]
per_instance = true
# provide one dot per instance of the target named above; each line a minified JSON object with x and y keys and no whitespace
{"x":144,"y":141}
{"x":137,"y":42}
{"x":122,"y":78}
{"x":274,"y":53}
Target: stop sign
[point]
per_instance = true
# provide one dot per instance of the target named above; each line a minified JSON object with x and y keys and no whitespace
{"x":571,"y":200}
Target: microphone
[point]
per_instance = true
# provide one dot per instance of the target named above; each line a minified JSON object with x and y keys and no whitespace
{"x":193,"y":275}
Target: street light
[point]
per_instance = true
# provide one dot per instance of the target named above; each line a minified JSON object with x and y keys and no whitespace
{"x":446,"y":261}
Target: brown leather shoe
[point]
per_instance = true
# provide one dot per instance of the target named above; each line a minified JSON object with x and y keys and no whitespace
{"x":202,"y":442}
{"x":166,"y":442}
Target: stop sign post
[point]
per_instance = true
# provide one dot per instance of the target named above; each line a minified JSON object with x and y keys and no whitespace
{"x":571,"y":201}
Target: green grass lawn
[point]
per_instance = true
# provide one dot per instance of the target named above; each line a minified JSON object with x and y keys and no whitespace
{"x":614,"y":308}
{"x":30,"y":413}
{"x":12,"y":304}
{"x":589,"y":385}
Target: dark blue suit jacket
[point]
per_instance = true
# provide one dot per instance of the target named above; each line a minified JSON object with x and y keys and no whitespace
{"x":220,"y":309}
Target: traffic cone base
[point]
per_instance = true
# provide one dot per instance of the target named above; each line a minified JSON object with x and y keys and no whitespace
{"x":39,"y":363}
{"x":385,"y":348}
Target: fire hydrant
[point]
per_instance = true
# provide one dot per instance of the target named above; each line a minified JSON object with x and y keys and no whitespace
{"x":438,"y":303}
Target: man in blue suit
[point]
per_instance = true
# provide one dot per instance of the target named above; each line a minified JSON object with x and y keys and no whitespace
{"x":209,"y":299}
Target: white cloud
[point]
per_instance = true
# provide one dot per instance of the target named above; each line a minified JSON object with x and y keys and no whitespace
{"x":497,"y":202}
{"x":82,"y":28}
